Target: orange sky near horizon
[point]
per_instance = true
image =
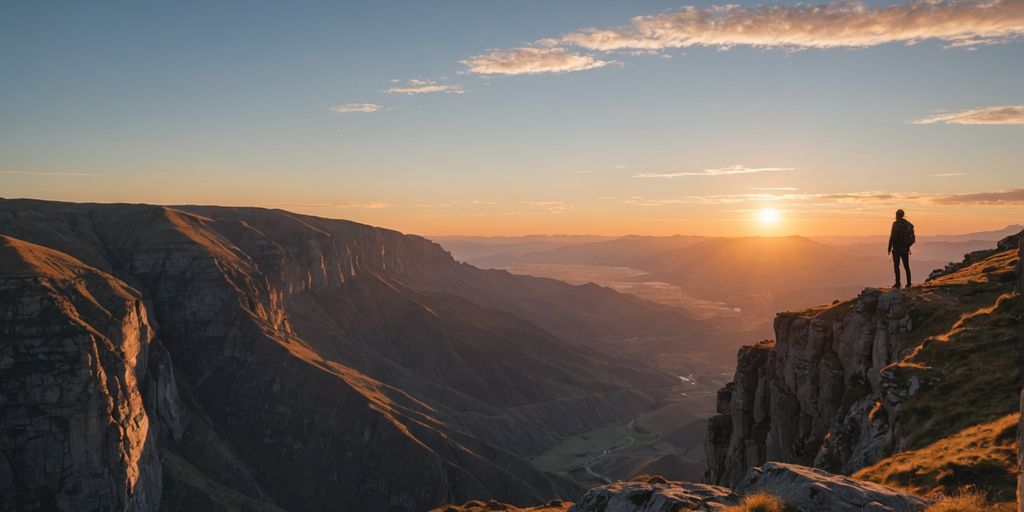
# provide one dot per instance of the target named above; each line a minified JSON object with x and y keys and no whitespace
{"x":800,"y":215}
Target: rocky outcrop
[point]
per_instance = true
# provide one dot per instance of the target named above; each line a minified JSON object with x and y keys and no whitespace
{"x":849,"y":384}
{"x":1020,"y":458}
{"x":799,"y":488}
{"x":811,"y":490}
{"x":735,"y":439}
{"x":76,"y":348}
{"x":786,"y":396}
{"x":1008,"y":243}
{"x":655,"y":494}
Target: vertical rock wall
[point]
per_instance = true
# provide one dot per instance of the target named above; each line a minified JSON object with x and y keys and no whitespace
{"x":74,"y":434}
{"x":787,"y":397}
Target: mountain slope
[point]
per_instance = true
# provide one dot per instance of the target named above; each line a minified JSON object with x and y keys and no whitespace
{"x":885,"y":382}
{"x":325,"y":362}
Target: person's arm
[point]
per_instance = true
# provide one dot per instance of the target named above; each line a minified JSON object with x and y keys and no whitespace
{"x":892,"y":234}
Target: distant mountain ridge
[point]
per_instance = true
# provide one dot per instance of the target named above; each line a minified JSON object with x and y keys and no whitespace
{"x":258,"y":359}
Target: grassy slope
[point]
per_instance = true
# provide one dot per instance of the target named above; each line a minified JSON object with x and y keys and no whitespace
{"x":960,"y":429}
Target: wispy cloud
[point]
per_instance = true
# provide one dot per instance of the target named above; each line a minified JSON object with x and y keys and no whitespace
{"x":1001,"y":198}
{"x":1007,"y":114}
{"x":1012,"y":197}
{"x":947,"y":174}
{"x":356,"y":107}
{"x":554,"y":207}
{"x":838,"y":24}
{"x":425,"y":87}
{"x":721,"y":171}
{"x":774,"y":189}
{"x":831,"y":25}
{"x":529,"y":61}
{"x":371,"y":205}
{"x":49,"y":173}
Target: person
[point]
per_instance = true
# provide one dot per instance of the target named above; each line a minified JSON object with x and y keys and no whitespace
{"x":901,"y":237}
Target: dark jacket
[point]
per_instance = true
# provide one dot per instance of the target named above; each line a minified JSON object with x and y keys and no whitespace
{"x":901,"y":237}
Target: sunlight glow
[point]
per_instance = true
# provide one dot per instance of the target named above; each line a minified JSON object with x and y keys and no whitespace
{"x":768,"y":216}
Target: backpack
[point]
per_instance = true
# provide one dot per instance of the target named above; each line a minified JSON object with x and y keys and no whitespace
{"x":904,"y":235}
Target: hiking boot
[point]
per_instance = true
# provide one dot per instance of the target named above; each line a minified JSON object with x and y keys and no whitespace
{"x":897,"y":285}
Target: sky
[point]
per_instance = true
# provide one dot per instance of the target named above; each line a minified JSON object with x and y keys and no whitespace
{"x":531,"y":117}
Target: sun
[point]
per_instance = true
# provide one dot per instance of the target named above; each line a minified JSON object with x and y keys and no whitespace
{"x":768,"y":216}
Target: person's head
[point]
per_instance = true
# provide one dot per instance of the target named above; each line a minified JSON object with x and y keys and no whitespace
{"x":899,"y":214}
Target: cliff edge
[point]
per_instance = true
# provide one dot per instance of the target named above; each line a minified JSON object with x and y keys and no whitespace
{"x":916,"y":388}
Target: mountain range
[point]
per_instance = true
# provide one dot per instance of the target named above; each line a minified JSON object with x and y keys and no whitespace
{"x":242,"y":358}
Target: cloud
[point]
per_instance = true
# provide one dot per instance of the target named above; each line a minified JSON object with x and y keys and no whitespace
{"x":49,"y":173}
{"x":554,"y":207}
{"x":1014,"y":197}
{"x":425,"y":87}
{"x":1001,"y":198}
{"x":356,"y":107}
{"x":774,"y":189}
{"x":947,"y":174}
{"x":1007,"y":114}
{"x":722,"y":171}
{"x":529,"y":61}
{"x":849,"y":24}
{"x":371,"y":205}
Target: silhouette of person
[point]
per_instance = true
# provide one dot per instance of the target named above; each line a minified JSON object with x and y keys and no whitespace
{"x":901,"y":237}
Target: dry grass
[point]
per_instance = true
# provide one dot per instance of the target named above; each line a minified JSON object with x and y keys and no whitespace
{"x":980,"y":457}
{"x":760,"y":502}
{"x":969,"y":502}
{"x":960,"y":428}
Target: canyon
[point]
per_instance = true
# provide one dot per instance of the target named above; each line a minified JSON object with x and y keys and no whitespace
{"x":218,"y":358}
{"x":235,"y":358}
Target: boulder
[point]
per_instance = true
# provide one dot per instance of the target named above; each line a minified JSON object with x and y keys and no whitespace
{"x":810,"y":490}
{"x":655,"y":495}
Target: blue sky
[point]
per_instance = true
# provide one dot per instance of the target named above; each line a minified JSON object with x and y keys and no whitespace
{"x":231,"y":103}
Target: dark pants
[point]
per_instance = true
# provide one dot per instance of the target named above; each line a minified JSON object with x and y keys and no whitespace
{"x":896,"y":257}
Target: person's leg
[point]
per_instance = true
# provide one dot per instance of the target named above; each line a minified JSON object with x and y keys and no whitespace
{"x":896,"y":268}
{"x":906,"y":265}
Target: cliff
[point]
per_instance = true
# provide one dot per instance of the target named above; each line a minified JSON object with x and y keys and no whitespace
{"x":77,"y":349}
{"x":248,"y":359}
{"x":923,"y":373}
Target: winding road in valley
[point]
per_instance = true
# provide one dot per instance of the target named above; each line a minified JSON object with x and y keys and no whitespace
{"x":590,"y":463}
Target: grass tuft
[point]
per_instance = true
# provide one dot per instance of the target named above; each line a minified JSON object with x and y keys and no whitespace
{"x":760,"y":502}
{"x":970,"y":501}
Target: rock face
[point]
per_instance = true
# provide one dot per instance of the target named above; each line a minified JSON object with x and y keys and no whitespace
{"x":819,"y":376}
{"x":847,"y":385}
{"x":801,"y":488}
{"x":77,"y":344}
{"x":655,"y":495}
{"x":811,"y":490}
{"x":310,"y":364}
